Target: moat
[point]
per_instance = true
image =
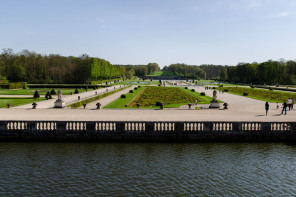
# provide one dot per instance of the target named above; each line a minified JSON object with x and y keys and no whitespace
{"x":147,"y":169}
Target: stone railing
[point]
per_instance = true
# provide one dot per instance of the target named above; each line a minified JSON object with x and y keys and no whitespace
{"x":146,"y":130}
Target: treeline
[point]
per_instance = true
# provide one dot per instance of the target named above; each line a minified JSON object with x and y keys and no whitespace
{"x":36,"y":68}
{"x":269,"y":72}
{"x":193,"y":71}
{"x":140,"y":70}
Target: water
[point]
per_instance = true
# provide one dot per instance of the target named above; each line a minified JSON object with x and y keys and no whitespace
{"x":114,"y":169}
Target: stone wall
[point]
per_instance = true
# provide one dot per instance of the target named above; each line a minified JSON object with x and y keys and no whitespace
{"x":147,"y":131}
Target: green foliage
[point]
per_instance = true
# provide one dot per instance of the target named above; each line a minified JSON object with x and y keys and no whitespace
{"x":245,"y":94}
{"x":167,"y":95}
{"x":131,"y":91}
{"x":202,"y":94}
{"x":158,"y":103}
{"x":266,"y":95}
{"x":48,"y":95}
{"x":16,"y":101}
{"x":135,"y":88}
{"x":186,"y":87}
{"x":76,"y":91}
{"x":92,"y":99}
{"x":270,"y":88}
{"x":123,"y":96}
{"x":53,"y":92}
{"x":36,"y":94}
{"x":192,"y":90}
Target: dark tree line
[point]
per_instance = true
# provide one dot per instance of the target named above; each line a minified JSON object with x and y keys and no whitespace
{"x":36,"y":68}
{"x":140,"y":70}
{"x":269,"y":72}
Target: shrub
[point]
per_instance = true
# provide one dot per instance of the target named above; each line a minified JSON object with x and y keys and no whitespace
{"x":192,"y":90}
{"x":139,"y":86}
{"x":48,"y":95}
{"x":158,"y":103}
{"x":252,"y":86}
{"x":76,"y":91}
{"x":202,"y":94}
{"x":135,"y":88}
{"x":270,"y":88}
{"x":186,"y":87}
{"x":221,"y":85}
{"x":245,"y":94}
{"x":36,"y":94}
{"x":226,"y":90}
{"x":24,"y":87}
{"x":213,"y":88}
{"x":131,"y":91}
{"x":123,"y":96}
{"x":53,"y":92}
{"x":159,"y":85}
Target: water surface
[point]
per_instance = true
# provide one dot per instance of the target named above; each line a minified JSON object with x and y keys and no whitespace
{"x":152,"y":169}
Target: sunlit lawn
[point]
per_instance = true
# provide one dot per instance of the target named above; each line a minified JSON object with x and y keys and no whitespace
{"x":16,"y":101}
{"x":42,"y":91}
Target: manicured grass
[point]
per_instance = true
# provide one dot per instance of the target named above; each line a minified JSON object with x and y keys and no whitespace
{"x":16,"y":101}
{"x":42,"y":91}
{"x":157,"y":73}
{"x":203,"y":99}
{"x":260,"y":94}
{"x":138,"y":82}
{"x":121,"y":102}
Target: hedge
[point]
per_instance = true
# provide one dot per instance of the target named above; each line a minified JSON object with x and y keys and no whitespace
{"x":15,"y":85}
{"x":92,"y":99}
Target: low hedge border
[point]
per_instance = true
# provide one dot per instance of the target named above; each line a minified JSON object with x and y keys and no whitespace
{"x":92,"y":99}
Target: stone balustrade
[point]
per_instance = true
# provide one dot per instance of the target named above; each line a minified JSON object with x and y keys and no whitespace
{"x":146,"y":130}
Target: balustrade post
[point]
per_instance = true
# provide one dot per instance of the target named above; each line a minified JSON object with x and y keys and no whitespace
{"x":61,"y":126}
{"x":149,"y":127}
{"x":179,"y":127}
{"x":208,"y":126}
{"x":237,"y":126}
{"x":266,"y":126}
{"x":3,"y":126}
{"x":90,"y":126}
{"x":32,"y":126}
{"x":120,"y":127}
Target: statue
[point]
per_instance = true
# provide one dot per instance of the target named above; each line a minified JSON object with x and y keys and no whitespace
{"x":214,"y":103}
{"x":214,"y":95}
{"x":59,"y":95}
{"x":59,"y":103}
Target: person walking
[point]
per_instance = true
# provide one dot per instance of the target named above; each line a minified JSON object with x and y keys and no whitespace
{"x":285,"y":105}
{"x":266,"y":107}
{"x":289,"y":103}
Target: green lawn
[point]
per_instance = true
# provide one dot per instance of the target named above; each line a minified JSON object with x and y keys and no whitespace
{"x":42,"y":91}
{"x":203,"y":99}
{"x":16,"y":101}
{"x":121,"y":102}
{"x":138,"y":82}
{"x":172,"y":97}
{"x":261,"y":94}
{"x":157,"y":73}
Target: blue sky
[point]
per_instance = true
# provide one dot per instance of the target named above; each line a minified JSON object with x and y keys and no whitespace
{"x":164,"y":31}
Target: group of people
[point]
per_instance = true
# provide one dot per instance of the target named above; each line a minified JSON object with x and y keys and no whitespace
{"x":285,"y":105}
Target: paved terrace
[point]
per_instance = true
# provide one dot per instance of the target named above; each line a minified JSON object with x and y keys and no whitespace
{"x":240,"y":109}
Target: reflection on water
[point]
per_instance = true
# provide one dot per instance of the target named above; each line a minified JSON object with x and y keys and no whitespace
{"x":89,"y":169}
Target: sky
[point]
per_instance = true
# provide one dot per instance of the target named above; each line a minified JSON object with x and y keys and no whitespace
{"x":192,"y":32}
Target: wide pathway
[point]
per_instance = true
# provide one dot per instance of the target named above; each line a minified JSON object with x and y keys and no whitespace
{"x":70,"y":98}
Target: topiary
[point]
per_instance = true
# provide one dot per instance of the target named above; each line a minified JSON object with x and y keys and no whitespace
{"x":131,"y":91}
{"x":139,"y":86}
{"x":202,"y":94}
{"x":192,"y":90}
{"x":245,"y":94}
{"x":135,"y":88}
{"x":76,"y":91}
{"x":186,"y":87}
{"x":226,"y":90}
{"x":270,"y":88}
{"x":53,"y":92}
{"x":36,"y":94}
{"x":252,"y":86}
{"x":123,"y":96}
